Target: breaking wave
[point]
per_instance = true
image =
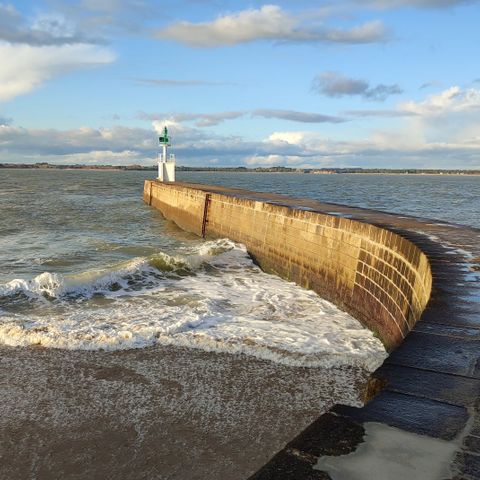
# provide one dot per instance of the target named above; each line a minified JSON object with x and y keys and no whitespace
{"x":122,"y":278}
{"x":211,"y":297}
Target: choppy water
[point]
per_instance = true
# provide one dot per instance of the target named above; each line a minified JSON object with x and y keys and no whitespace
{"x":450,"y":198}
{"x":84,"y":264}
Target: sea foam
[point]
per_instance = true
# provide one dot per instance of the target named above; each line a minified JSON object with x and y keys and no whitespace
{"x":211,"y":297}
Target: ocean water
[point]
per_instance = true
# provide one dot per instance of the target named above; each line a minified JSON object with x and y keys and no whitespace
{"x":127,"y":308}
{"x":450,"y":198}
{"x":86,"y":265}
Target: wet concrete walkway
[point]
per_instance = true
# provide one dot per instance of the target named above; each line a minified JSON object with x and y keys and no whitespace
{"x":430,"y":385}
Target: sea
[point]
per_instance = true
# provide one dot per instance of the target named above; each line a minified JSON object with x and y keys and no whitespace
{"x":86,"y":265}
{"x":132,"y":349}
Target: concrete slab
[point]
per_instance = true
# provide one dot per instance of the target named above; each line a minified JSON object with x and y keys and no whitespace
{"x":452,"y":389}
{"x":472,"y":445}
{"x":439,"y":353}
{"x":467,"y":465}
{"x":413,"y":414}
{"x":427,"y":327}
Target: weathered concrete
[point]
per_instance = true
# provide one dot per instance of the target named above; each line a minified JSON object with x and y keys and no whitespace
{"x":430,"y":384}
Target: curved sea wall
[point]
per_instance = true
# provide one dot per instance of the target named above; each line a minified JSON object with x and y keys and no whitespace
{"x":377,"y":276}
{"x":379,"y":267}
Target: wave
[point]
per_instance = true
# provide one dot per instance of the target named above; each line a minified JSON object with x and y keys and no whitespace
{"x":127,"y":277}
{"x":211,"y":296}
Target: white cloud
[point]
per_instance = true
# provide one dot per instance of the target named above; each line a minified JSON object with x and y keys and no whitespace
{"x":452,"y":100}
{"x":33,"y":50}
{"x":293,"y":138}
{"x":390,"y":149}
{"x":200,"y":119}
{"x":26,"y":67}
{"x":439,"y":131}
{"x":213,"y":119}
{"x":75,"y":141}
{"x":369,"y":32}
{"x":171,"y":123}
{"x":442,"y":133}
{"x":270,"y":22}
{"x":450,"y":116}
{"x":274,"y":160}
{"x":312,"y":145}
{"x":97,"y":157}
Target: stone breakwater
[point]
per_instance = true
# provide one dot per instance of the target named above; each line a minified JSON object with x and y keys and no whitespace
{"x":377,"y":276}
{"x":414,"y":282}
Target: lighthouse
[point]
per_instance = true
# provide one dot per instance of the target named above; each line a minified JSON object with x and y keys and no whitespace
{"x":166,"y":163}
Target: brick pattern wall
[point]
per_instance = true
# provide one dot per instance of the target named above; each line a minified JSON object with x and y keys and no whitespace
{"x":379,"y":277}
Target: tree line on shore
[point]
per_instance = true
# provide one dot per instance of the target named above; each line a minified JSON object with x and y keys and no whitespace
{"x":275,"y":169}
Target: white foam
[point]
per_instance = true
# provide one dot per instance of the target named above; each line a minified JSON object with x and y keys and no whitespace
{"x":221,"y":302}
{"x":92,"y":281}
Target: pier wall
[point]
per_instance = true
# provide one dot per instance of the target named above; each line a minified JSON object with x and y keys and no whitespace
{"x":377,"y":276}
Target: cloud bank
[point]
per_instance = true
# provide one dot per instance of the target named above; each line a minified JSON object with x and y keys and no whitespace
{"x":24,"y":67}
{"x":200,"y":119}
{"x":32,"y":53}
{"x":270,"y":22}
{"x":213,"y":119}
{"x":452,"y":100}
{"x":440,"y":131}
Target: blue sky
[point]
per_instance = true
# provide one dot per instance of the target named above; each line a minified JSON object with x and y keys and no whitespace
{"x":368,"y":83}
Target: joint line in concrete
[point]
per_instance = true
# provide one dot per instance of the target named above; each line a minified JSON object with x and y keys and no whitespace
{"x":205,"y":214}
{"x":383,"y":306}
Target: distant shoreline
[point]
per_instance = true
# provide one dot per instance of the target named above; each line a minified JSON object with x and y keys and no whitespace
{"x":277,"y":169}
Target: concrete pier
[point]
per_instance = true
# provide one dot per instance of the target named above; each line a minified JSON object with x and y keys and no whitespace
{"x":414,"y":282}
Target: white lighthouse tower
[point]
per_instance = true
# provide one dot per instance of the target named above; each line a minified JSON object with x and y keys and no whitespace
{"x":166,"y":164}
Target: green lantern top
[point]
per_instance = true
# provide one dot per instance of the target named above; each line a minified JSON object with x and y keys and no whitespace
{"x":164,"y":140}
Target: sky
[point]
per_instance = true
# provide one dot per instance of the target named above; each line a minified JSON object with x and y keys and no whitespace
{"x":354,"y":83}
